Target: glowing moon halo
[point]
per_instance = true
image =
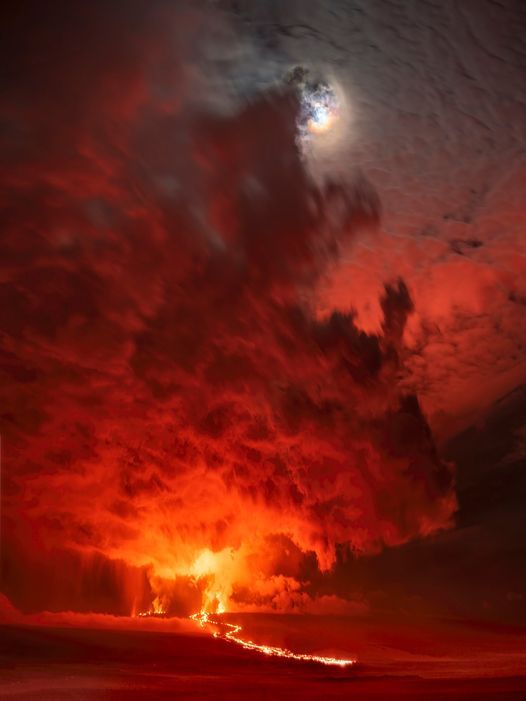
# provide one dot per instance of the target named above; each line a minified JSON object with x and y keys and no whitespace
{"x":321,"y":121}
{"x":319,"y":104}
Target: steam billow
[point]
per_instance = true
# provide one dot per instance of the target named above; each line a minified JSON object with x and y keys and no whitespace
{"x":184,"y":430}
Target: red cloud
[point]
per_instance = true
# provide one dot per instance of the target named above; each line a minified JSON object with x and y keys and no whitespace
{"x":172,"y":399}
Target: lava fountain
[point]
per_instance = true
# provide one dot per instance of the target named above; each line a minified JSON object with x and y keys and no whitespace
{"x":216,"y":569}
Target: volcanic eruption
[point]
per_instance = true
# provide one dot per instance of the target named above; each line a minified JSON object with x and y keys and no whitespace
{"x":232,"y":345}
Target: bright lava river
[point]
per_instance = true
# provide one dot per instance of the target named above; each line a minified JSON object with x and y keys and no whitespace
{"x":228,"y":631}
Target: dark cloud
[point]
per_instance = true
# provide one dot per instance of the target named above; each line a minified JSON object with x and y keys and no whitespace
{"x":173,"y":399}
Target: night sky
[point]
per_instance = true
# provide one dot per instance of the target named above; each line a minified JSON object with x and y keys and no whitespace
{"x":247,"y":366}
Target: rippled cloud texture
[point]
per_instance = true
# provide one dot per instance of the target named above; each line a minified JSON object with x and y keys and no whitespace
{"x":173,"y":401}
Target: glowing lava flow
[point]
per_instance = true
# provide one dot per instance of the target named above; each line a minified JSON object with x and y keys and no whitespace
{"x":204,"y":618}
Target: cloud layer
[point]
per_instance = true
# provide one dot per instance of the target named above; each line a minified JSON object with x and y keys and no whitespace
{"x":173,"y":399}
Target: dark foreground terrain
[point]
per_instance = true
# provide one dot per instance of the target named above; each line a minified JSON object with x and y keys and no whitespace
{"x":91,"y":664}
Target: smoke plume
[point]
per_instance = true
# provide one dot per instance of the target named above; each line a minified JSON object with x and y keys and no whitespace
{"x":174,"y":407}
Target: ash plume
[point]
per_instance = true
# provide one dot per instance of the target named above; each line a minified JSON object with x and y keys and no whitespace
{"x":172,"y":399}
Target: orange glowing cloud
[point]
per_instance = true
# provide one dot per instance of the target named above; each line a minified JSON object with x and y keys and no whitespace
{"x":174,"y":401}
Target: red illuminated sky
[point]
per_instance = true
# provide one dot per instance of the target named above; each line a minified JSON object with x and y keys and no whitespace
{"x":231,"y":363}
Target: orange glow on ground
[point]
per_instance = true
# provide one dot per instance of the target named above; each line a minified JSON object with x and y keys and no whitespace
{"x":229,"y":631}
